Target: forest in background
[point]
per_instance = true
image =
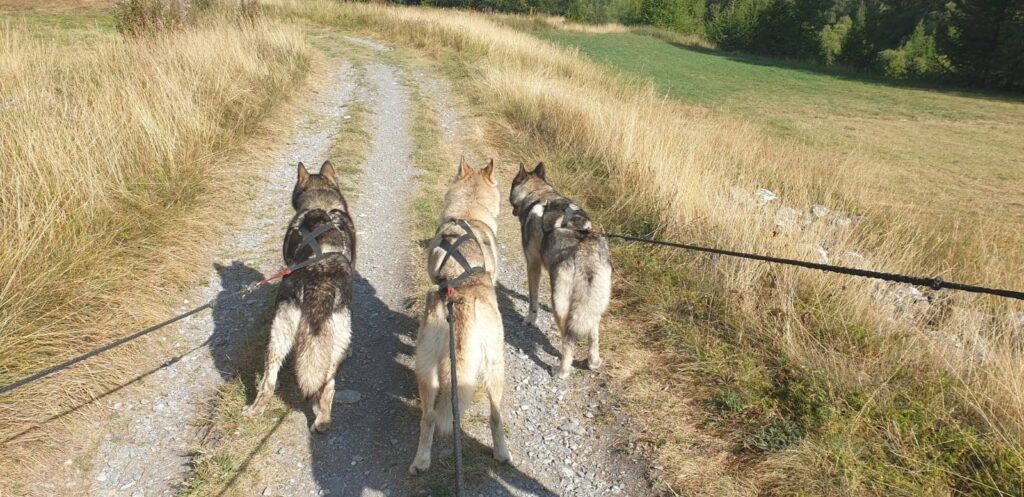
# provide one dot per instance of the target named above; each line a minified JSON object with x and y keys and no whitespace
{"x":978,"y":43}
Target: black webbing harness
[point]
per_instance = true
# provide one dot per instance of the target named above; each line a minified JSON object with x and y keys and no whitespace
{"x":451,"y":251}
{"x":309,"y":239}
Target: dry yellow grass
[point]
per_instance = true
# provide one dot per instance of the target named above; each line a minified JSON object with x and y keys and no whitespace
{"x":112,"y":161}
{"x":911,"y":398}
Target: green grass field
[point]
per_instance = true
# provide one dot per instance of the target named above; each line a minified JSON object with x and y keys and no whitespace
{"x":936,"y":147}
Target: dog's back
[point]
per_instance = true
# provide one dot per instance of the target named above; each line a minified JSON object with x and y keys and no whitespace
{"x":481,"y":253}
{"x":322,"y":293}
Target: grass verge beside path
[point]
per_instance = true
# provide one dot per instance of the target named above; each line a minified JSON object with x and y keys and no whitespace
{"x":111,"y":187}
{"x":805,"y":383}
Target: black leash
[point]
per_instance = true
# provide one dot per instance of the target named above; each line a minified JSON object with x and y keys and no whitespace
{"x":456,"y":415}
{"x":117,"y":343}
{"x":308,"y":238}
{"x":934,"y":283}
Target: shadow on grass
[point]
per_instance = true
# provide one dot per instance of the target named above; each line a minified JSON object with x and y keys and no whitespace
{"x":223,"y":341}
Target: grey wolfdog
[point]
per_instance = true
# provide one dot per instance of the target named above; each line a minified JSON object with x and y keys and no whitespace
{"x":465,"y":234}
{"x":556,"y":237}
{"x":314,"y":303}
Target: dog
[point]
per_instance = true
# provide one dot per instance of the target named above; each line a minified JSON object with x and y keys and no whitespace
{"x":557,"y":237}
{"x":462,"y":254}
{"x":314,"y":303}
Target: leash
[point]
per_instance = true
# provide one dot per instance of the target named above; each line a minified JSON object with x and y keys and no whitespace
{"x":244,"y":292}
{"x":449,"y":296}
{"x":447,"y":289}
{"x":308,"y":238}
{"x":933,"y":283}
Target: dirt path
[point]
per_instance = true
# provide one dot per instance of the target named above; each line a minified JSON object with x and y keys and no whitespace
{"x":566,"y":437}
{"x":152,"y":426}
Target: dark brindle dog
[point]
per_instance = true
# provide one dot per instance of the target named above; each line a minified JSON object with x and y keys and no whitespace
{"x":314,"y":303}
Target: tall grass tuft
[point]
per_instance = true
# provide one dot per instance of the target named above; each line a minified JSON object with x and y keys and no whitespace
{"x":140,"y":17}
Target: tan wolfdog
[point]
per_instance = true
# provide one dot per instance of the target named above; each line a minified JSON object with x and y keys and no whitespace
{"x":556,"y":238}
{"x":314,"y":303}
{"x":464,"y":242}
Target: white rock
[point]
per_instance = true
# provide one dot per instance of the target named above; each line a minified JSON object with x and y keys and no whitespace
{"x":822,"y":255}
{"x":819,"y":210}
{"x":765,"y":195}
{"x":347,"y":397}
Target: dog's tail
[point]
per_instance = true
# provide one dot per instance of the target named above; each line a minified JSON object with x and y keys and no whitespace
{"x":591,"y":291}
{"x":314,"y":340}
{"x":468,"y":361}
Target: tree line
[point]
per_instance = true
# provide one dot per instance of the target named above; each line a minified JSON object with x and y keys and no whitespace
{"x":974,"y":42}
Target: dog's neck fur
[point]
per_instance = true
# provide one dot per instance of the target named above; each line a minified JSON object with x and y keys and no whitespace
{"x":539,"y":192}
{"x":320,"y":198}
{"x":472,"y":203}
{"x":470,"y":211}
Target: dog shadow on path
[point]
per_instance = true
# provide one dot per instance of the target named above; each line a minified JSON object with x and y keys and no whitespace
{"x":227,"y":336}
{"x":237,"y":320}
{"x":520,"y":334}
{"x":372,"y":441}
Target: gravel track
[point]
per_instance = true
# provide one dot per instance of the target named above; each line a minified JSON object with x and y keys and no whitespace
{"x":567,"y":437}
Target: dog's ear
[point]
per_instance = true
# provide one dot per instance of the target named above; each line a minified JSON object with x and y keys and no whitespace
{"x":465,"y":170}
{"x":489,"y":171}
{"x":539,"y":171}
{"x":327,"y":171}
{"x":303,"y":174}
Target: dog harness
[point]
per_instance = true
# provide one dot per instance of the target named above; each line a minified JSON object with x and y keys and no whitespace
{"x":309,"y":239}
{"x":451,"y":251}
{"x":568,"y":213}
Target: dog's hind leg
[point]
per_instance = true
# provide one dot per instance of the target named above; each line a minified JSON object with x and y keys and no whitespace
{"x":428,"y":386}
{"x":341,"y":335}
{"x":282,"y":338}
{"x":495,"y":391}
{"x":322,"y":407}
{"x":561,"y":289}
{"x":594,"y":361}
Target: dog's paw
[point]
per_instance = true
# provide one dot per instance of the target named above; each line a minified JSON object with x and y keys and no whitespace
{"x":252,"y":411}
{"x":419,"y":467}
{"x":595,"y":363}
{"x":503,"y":456}
{"x":561,"y":373}
{"x":320,"y":426}
{"x":530,"y":318}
